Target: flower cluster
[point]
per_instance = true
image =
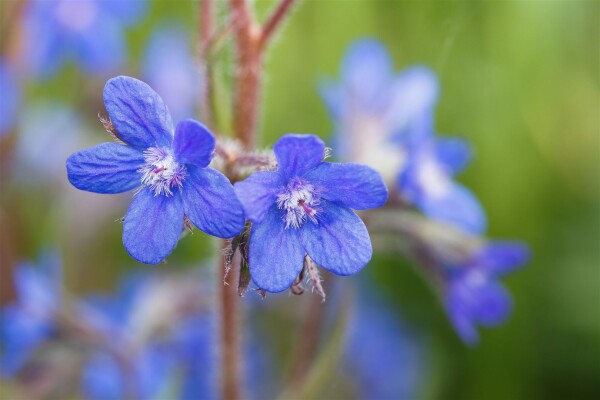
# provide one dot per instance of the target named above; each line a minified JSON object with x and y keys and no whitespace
{"x":300,"y":209}
{"x":386,"y":120}
{"x":156,"y":330}
{"x":303,"y":209}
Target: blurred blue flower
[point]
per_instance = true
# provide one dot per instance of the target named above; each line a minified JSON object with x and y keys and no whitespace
{"x":427,"y":182}
{"x":384,"y":358}
{"x":144,"y":375}
{"x":373,"y":109}
{"x":158,"y":341}
{"x":194,"y":342}
{"x":133,"y":362}
{"x":170,"y":164}
{"x":28,"y":321}
{"x":305,"y":207}
{"x":386,"y":120}
{"x":169,"y":67}
{"x":473,"y":292}
{"x":88,"y":32}
{"x":9,"y":98}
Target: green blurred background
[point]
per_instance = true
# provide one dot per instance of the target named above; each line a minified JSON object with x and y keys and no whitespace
{"x":520,"y":80}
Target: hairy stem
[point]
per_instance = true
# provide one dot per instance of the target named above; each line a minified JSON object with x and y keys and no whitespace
{"x":229,"y":329}
{"x":228,"y":326}
{"x":308,"y":342}
{"x":248,"y":73}
{"x":11,"y":30}
{"x":206,"y":28}
{"x":249,"y":39}
{"x":275,"y":19}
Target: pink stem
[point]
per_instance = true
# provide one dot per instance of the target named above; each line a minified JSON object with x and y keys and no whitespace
{"x":275,"y":20}
{"x":248,"y":73}
{"x":230,"y":329}
{"x":206,"y":29}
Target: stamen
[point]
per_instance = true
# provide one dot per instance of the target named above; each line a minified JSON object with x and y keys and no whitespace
{"x":298,"y":201}
{"x":307,"y":209}
{"x":161,"y":172}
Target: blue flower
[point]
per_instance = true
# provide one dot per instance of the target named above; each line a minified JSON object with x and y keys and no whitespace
{"x":427,"y":182}
{"x":373,"y":109}
{"x":304,"y":208}
{"x":29,"y":321}
{"x":89,"y":32}
{"x":386,"y":120}
{"x":169,"y":67}
{"x":171,"y":166}
{"x":9,"y":99}
{"x":473,"y":292}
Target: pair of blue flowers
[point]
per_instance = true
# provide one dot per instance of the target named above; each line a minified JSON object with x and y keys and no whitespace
{"x":302,"y":209}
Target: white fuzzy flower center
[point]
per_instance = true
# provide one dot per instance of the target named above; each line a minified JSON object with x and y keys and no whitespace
{"x":299,"y":202}
{"x":161,"y":172}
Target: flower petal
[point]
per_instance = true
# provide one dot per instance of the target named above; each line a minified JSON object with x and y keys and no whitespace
{"x":453,"y":154}
{"x":339,"y":241}
{"x":458,"y":207}
{"x":502,"y":257}
{"x":105,"y":168}
{"x":21,"y":332}
{"x":367,"y":70}
{"x":152,"y":226}
{"x":276,"y":255}
{"x":138,"y":113}
{"x":494,"y":304}
{"x":462,"y":320}
{"x":297,"y":154}
{"x":350,"y":185}
{"x":210,"y":203}
{"x":193,"y":143}
{"x":258,"y":193}
{"x":415,"y":93}
{"x":102,"y":377}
